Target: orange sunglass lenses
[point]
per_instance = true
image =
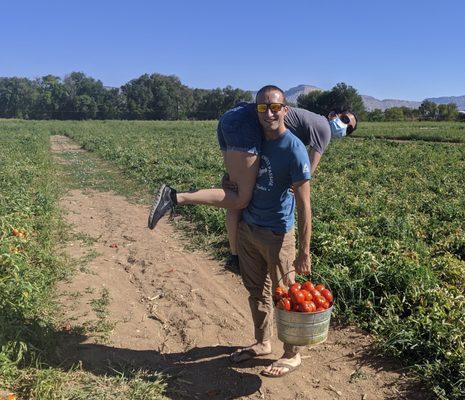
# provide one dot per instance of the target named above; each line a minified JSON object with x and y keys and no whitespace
{"x":261,"y":107}
{"x":275,"y":107}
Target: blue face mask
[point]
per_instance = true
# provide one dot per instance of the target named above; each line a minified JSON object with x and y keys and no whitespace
{"x":338,"y":128}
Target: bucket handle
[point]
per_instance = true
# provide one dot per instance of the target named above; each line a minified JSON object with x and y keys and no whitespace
{"x":287,"y":273}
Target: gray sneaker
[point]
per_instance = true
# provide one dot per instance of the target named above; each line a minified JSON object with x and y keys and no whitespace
{"x":164,"y":201}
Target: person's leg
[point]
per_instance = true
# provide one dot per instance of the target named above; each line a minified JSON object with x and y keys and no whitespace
{"x":280,"y":257}
{"x":232,"y":221}
{"x":242,"y":168}
{"x":255,"y":277}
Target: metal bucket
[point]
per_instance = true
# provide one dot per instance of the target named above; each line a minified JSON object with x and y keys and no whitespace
{"x":302,"y":329}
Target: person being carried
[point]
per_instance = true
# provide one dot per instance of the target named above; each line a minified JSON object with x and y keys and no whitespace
{"x":266,"y":239}
{"x":240,"y":138}
{"x":315,"y":131}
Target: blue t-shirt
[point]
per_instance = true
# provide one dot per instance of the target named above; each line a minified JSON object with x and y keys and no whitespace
{"x":283,"y":162}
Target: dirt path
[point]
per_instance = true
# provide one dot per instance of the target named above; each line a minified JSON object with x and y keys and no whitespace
{"x":141,"y":301}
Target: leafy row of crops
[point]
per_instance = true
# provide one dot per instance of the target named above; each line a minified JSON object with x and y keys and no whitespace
{"x":31,"y":230}
{"x":429,"y":131}
{"x":389,"y":228}
{"x":28,"y":267}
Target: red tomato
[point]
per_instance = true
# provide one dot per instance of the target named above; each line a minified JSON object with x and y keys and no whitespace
{"x":308,"y":306}
{"x":320,"y":287}
{"x":315,"y":293}
{"x":320,"y":309}
{"x":279,"y":293}
{"x":327,"y":295}
{"x":284,"y":304}
{"x":296,"y":307}
{"x":325,"y":305}
{"x":308,"y":296}
{"x":319,"y":301}
{"x":298,"y":297}
{"x":308,"y":286}
{"x":294,"y":287}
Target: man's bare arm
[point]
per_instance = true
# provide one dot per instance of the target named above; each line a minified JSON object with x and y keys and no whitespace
{"x":302,"y":263}
{"x":315,"y":158}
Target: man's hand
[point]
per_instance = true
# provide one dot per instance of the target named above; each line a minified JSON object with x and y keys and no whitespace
{"x":332,"y":115}
{"x":226,"y":184}
{"x":303,"y":264}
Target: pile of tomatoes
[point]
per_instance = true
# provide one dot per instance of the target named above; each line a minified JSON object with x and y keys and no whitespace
{"x":303,"y":297}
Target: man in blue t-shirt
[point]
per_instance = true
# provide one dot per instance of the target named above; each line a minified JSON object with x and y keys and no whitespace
{"x":266,"y":240}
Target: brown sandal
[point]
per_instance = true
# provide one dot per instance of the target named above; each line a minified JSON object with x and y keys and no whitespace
{"x":277,"y":364}
{"x":244,"y":354}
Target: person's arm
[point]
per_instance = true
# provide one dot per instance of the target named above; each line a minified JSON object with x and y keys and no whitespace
{"x":315,"y":158}
{"x":302,"y":263}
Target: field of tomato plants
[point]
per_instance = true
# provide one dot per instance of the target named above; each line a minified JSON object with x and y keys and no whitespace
{"x":389,"y":224}
{"x":28,"y":226}
{"x":31,"y":230}
{"x":419,"y":130}
{"x":389,"y":228}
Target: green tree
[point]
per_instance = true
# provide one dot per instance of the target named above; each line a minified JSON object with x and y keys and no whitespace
{"x":211,"y":104}
{"x":376,"y":115}
{"x":51,"y":98}
{"x":157,"y":96}
{"x":394,"y":114}
{"x":85,"y":107}
{"x":447,"y":112}
{"x":113,"y":105}
{"x":311,"y":101}
{"x":17,"y":97}
{"x":341,"y":97}
{"x":428,"y":110}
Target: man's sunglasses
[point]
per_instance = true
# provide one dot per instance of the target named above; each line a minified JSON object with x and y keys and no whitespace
{"x":346,"y":120}
{"x":274,"y":107}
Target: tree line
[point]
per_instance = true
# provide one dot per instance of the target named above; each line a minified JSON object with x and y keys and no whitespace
{"x":428,"y":111}
{"x":79,"y":97}
{"x":148,"y":97}
{"x":164,"y":97}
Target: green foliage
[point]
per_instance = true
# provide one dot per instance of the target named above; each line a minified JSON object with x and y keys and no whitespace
{"x":79,"y":97}
{"x":341,"y":97}
{"x":394,"y":114}
{"x":28,"y":267}
{"x":423,"y":130}
{"x":211,"y":104}
{"x":428,"y":111}
{"x":17,"y":96}
{"x":447,"y":112}
{"x":376,"y":115}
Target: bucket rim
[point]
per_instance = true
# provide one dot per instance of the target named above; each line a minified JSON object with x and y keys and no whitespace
{"x":307,"y":313}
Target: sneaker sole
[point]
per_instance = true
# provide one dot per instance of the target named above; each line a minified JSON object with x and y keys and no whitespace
{"x":151,"y":222}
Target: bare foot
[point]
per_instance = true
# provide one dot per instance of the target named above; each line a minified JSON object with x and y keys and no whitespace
{"x":247,"y":353}
{"x":285,"y":365}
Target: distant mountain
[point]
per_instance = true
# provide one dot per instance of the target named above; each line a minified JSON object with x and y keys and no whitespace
{"x":459,"y":100}
{"x":369,"y":101}
{"x":293,"y":93}
{"x":372,"y":103}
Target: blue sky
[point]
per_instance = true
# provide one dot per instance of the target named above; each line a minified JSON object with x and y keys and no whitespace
{"x":388,"y":49}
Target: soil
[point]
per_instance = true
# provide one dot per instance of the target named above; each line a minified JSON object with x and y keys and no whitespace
{"x":182,"y":313}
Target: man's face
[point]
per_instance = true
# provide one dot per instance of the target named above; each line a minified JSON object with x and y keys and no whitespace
{"x":269,"y":120}
{"x":349,"y":119}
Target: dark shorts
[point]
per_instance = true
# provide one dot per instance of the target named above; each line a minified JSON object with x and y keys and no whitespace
{"x":239,"y":130}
